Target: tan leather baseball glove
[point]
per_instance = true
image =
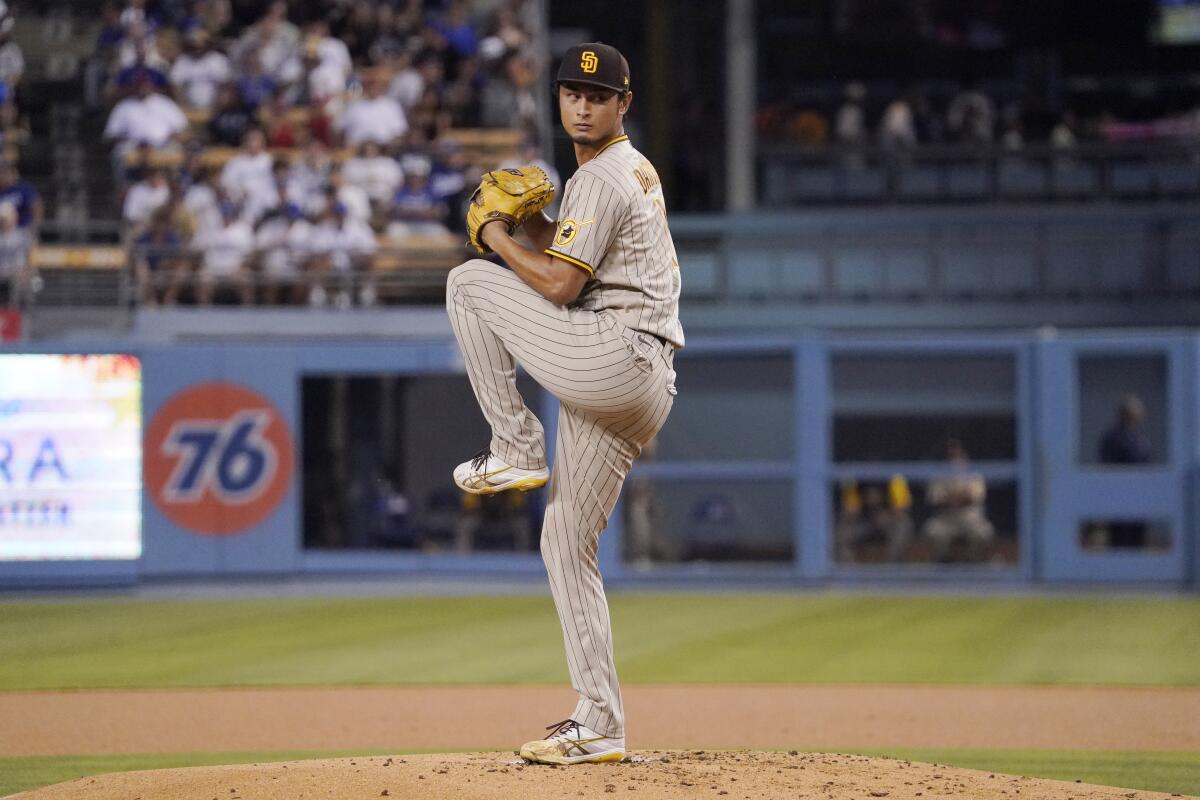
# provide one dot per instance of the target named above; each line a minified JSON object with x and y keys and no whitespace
{"x":510,"y":196}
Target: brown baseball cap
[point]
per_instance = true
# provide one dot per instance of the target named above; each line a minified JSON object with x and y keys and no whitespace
{"x":595,"y":63}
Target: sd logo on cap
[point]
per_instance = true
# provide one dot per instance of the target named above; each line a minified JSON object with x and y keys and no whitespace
{"x":595,"y":63}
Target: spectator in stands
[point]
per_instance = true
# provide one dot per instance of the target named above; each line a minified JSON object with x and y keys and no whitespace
{"x":897,"y":129}
{"x":200,"y":71}
{"x":506,"y":96}
{"x":232,"y":119}
{"x":321,"y":121}
{"x":159,"y":262}
{"x":1062,"y":136}
{"x":375,"y":173}
{"x":325,"y":82}
{"x":375,"y":117}
{"x":15,"y":273}
{"x":308,"y":177}
{"x":144,"y":65}
{"x":1012,"y":138}
{"x":354,"y":198}
{"x":247,"y":177}
{"x":202,"y":199}
{"x":21,"y":195}
{"x":267,"y":199}
{"x":278,"y":125}
{"x":134,"y":15}
{"x":255,"y":86}
{"x":183,"y":222}
{"x":416,"y":211}
{"x":101,"y":65}
{"x":360,"y":30}
{"x":144,"y":198}
{"x":214,"y":15}
{"x":275,"y":44}
{"x":457,"y":30}
{"x":407,"y":84}
{"x":461,"y":97}
{"x":210,"y":16}
{"x":225,"y":258}
{"x":850,"y":125}
{"x":343,"y":249}
{"x":450,"y":183}
{"x":971,"y":117}
{"x":331,"y":54}
{"x":112,"y":33}
{"x":147,"y":118}
{"x":12,"y":60}
{"x":392,"y":40}
{"x":507,"y":29}
{"x":959,"y":518}
{"x":874,"y":511}
{"x":281,"y":240}
{"x":429,"y":119}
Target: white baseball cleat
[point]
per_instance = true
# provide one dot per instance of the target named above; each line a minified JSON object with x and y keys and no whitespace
{"x":486,"y":474}
{"x":572,"y":743}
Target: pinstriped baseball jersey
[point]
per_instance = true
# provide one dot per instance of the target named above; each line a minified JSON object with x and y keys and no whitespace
{"x":613,"y":224}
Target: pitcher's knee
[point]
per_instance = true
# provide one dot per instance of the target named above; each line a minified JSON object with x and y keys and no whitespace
{"x":469,"y":272}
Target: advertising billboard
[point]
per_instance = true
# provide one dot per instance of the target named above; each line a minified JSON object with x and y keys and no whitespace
{"x":70,"y":457}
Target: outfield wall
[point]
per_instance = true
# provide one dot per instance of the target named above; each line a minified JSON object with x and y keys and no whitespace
{"x":749,"y":480}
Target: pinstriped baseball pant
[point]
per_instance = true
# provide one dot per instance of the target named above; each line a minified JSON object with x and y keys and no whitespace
{"x":615,"y":388}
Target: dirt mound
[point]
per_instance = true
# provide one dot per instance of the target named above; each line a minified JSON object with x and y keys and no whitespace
{"x":648,"y":775}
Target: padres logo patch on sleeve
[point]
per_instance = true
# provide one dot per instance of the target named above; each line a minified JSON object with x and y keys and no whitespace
{"x":567,"y":230}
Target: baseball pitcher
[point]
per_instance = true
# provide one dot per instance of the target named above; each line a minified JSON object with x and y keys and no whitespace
{"x":591,"y":312}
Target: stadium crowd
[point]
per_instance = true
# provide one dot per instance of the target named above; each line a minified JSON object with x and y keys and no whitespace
{"x":973,"y":115}
{"x":21,"y":209}
{"x":273,"y":148}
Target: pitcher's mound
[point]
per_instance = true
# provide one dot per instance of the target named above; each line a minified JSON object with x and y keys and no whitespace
{"x":645,"y":775}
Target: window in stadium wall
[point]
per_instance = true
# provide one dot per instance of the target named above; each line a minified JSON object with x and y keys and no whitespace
{"x":750,"y":395}
{"x":379,"y":451}
{"x":722,"y":521}
{"x":907,"y":407}
{"x":909,"y":434}
{"x":1099,"y":535}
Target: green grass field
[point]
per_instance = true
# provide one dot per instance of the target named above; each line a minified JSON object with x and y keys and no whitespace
{"x":660,"y":638}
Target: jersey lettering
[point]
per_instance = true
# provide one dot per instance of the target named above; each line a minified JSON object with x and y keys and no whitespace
{"x":646,"y":176}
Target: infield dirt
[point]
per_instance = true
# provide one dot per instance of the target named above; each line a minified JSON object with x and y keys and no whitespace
{"x":813,"y":718}
{"x":650,"y":775}
{"x":446,"y":718}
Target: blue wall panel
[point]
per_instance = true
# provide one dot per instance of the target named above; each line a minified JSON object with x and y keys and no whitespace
{"x":273,"y":545}
{"x":169,"y":548}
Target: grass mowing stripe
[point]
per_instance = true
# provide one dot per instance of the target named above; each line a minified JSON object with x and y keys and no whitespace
{"x":1150,"y":771}
{"x":660,"y":638}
